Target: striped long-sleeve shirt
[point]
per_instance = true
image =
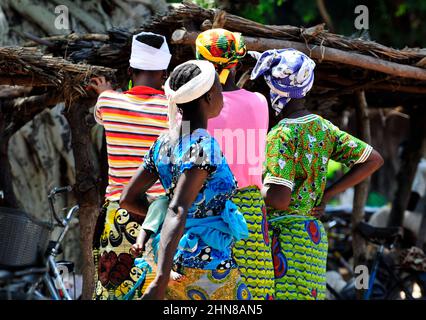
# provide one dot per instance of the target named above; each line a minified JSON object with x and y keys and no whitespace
{"x":133,"y":120}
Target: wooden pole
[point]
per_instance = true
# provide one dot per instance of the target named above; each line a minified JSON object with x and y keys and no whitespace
{"x":87,"y":185}
{"x":23,"y":80}
{"x":13,"y":92}
{"x":410,"y":158}
{"x":324,"y":14}
{"x":320,"y":53}
{"x":421,"y":239}
{"x":328,"y":80}
{"x":7,"y":195}
{"x":361,"y":190}
{"x":14,"y":113}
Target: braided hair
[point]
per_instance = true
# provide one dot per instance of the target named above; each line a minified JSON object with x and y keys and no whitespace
{"x":179,"y":77}
{"x":151,"y":40}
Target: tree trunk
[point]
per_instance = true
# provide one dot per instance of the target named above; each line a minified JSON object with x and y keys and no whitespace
{"x":87,"y":185}
{"x":422,"y":232}
{"x":361,"y":190}
{"x":411,"y":154}
{"x":7,"y":196}
{"x":324,"y":15}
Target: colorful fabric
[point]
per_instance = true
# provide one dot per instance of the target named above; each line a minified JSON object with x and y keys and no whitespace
{"x":145,"y":57}
{"x":116,"y":272}
{"x":297,"y":155}
{"x":241,"y":129}
{"x":132,"y":120}
{"x":190,"y":91}
{"x":289,"y":74}
{"x":213,"y":221}
{"x":299,"y":249}
{"x":221,"y":47}
{"x":217,"y":231}
{"x":208,"y":285}
{"x":146,"y":268}
{"x":253,"y":255}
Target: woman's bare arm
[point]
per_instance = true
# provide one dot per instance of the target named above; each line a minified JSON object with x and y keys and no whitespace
{"x":134,"y":198}
{"x":355,"y":175}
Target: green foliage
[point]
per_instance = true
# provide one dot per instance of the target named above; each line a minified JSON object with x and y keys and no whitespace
{"x":396,"y":23}
{"x":263,"y":11}
{"x":308,"y":12}
{"x":402,"y":10}
{"x":207,"y":4}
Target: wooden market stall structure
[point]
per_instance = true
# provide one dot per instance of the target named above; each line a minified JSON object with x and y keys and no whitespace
{"x":354,"y":73}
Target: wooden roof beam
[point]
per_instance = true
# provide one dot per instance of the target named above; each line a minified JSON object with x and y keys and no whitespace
{"x":320,"y":53}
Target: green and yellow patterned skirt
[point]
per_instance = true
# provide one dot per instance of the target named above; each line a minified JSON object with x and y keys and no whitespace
{"x":198,"y":284}
{"x":299,"y":249}
{"x":116,"y":274}
{"x":253,"y":255}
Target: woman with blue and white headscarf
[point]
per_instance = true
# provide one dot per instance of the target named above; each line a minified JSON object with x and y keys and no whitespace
{"x":297,"y":154}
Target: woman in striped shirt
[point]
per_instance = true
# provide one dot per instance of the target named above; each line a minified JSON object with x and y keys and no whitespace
{"x":132,"y":120}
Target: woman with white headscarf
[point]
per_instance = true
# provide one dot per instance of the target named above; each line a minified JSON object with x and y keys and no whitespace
{"x":297,"y":154}
{"x":201,"y":223}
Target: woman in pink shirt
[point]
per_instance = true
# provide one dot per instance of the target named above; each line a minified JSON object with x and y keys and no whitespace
{"x":241,"y":130}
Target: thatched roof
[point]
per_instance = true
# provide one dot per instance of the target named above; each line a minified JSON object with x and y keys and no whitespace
{"x":342,"y":62}
{"x":31,"y":67}
{"x":344,"y":65}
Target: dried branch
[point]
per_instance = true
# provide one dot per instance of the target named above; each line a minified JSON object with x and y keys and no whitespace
{"x":12,"y":92}
{"x":29,"y":66}
{"x":191,"y":12}
{"x":320,"y":53}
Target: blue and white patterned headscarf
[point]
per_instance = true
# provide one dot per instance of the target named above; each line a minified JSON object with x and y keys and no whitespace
{"x":289,"y":74}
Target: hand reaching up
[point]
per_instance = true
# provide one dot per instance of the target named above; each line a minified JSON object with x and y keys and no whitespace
{"x":99,"y":84}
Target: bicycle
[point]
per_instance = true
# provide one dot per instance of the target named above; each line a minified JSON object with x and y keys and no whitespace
{"x":32,"y":278}
{"x":388,"y":279}
{"x":338,"y":228}
{"x":399,"y":282}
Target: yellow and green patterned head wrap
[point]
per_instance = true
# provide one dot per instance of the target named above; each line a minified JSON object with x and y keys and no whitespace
{"x":221,"y":47}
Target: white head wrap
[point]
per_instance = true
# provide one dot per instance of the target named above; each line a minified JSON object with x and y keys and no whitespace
{"x":191,"y":90}
{"x":145,"y":57}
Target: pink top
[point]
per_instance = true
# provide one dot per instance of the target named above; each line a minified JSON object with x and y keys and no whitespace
{"x":241,"y":130}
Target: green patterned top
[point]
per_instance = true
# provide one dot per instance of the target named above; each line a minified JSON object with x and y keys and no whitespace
{"x":297,"y":155}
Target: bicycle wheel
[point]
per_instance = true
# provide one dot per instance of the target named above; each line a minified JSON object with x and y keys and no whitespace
{"x":409,"y":288}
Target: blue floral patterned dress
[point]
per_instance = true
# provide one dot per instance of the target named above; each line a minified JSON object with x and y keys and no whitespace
{"x":213,"y":224}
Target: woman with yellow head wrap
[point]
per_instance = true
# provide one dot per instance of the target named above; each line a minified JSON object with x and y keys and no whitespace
{"x":244,"y":116}
{"x":221,"y":47}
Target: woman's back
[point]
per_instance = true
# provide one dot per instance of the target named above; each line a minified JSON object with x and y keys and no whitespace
{"x":241,"y":130}
{"x":199,"y":150}
{"x":298,"y":153}
{"x":213,"y":220}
